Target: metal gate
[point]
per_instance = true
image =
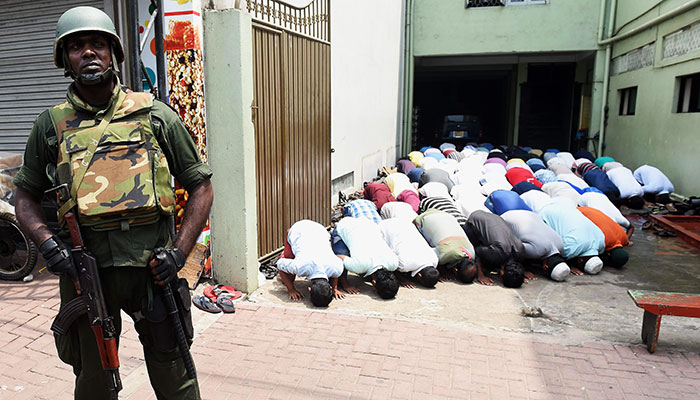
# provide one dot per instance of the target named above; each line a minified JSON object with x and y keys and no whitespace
{"x":29,"y":81}
{"x":291,"y":115}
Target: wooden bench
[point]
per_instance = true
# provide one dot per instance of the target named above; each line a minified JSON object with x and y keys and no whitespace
{"x":656,"y":304}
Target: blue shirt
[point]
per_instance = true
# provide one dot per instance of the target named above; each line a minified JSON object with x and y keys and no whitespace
{"x":501,"y":201}
{"x":362,"y":209}
{"x":599,"y":179}
{"x":581,"y":237}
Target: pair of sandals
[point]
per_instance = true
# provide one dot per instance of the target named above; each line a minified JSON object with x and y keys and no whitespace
{"x":218,"y":298}
{"x":657,"y":230}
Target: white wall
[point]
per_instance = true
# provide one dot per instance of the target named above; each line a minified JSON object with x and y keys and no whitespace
{"x":365,"y":67}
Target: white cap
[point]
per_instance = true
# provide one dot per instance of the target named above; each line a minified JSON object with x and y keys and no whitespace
{"x":593,"y":265}
{"x":560,"y":272}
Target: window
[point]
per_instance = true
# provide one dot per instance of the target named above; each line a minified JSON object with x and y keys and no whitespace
{"x":689,"y":94}
{"x":628,"y":100}
{"x":524,"y":2}
{"x":494,"y":3}
{"x":483,"y":3}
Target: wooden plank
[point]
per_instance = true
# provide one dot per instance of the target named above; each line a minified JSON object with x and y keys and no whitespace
{"x":665,"y":303}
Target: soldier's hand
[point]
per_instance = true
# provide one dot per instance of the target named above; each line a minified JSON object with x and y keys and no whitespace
{"x":58,"y":259}
{"x":165,"y":263}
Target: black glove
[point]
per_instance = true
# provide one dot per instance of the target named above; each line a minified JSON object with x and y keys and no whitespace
{"x":170,"y":261}
{"x":58,"y":257}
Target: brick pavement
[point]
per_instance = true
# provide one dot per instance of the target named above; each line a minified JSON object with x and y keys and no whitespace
{"x":267,"y":352}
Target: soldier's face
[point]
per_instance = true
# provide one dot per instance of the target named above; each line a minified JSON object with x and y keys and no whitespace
{"x":88,"y":53}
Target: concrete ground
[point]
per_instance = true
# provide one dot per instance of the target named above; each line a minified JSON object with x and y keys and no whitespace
{"x":453,"y":342}
{"x":582,"y":308}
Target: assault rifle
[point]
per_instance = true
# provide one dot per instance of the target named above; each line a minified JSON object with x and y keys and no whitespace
{"x":90,"y":301}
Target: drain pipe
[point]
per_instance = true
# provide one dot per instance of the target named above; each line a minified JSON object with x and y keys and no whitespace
{"x":651,"y":23}
{"x":606,"y":76}
{"x":408,"y":81}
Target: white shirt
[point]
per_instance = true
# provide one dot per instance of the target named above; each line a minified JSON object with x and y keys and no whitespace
{"x":561,"y":189}
{"x":623,"y":178}
{"x":536,"y":199}
{"x":434,"y":189}
{"x":555,"y":161}
{"x":467,"y":177}
{"x":468,"y":198}
{"x":313,"y":256}
{"x":368,"y":250}
{"x":573,"y":179}
{"x":567,"y":157}
{"x":448,"y":164}
{"x":427,"y":163}
{"x":653,"y":180}
{"x":398,"y":209}
{"x":539,"y":240}
{"x":559,"y":169}
{"x":611,"y":165}
{"x":408,"y":244}
{"x":600,"y":202}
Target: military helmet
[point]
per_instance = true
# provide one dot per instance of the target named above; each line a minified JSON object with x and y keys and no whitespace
{"x":85,"y":19}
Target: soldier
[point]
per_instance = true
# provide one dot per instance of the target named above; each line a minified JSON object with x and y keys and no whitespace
{"x":116,"y":151}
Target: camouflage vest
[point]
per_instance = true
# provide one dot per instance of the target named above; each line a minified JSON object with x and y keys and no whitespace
{"x":127,"y":181}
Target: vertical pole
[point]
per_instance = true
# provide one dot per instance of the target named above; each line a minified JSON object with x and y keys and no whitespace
{"x":160,"y":54}
{"x":135,"y":66}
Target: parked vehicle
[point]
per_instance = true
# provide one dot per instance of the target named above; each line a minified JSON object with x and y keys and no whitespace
{"x":18,"y":254}
{"x":461,"y":129}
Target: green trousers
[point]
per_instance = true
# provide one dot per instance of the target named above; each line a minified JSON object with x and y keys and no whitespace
{"x":124,"y":288}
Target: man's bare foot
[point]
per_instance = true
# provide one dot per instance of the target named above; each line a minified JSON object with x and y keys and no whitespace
{"x":405,"y":282}
{"x":530,"y":276}
{"x":485,"y":280}
{"x":575,"y":271}
{"x":447,"y":276}
{"x":337,"y":294}
{"x":295,"y":295}
{"x":351,"y":289}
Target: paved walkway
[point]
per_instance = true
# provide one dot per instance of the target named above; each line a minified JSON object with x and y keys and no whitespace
{"x":271,"y":352}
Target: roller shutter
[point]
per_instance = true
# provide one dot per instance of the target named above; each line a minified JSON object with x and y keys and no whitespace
{"x":29,"y":81}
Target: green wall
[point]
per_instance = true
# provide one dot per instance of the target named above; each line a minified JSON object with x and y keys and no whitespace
{"x":445,"y":27}
{"x":656,"y":134}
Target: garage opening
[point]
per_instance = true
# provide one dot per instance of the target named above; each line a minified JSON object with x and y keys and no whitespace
{"x":470,"y":104}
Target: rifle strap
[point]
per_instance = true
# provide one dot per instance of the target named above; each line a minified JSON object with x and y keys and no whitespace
{"x":96,"y":136}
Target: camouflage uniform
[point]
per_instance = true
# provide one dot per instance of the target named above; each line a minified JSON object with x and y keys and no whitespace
{"x":121,"y":253}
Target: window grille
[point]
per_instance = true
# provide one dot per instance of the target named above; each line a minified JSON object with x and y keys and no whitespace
{"x":483,"y":3}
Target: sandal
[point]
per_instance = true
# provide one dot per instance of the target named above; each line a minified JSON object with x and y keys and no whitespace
{"x":213,"y":292}
{"x":204,"y":304}
{"x":648,"y":225}
{"x":225,"y":303}
{"x":269,"y":271}
{"x":664,"y":233}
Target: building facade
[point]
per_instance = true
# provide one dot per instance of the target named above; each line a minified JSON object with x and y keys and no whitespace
{"x":654,"y":102}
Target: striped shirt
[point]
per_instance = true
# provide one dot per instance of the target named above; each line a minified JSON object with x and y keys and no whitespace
{"x":442,"y":204}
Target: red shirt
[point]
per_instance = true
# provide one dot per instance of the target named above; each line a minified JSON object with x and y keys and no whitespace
{"x":379,"y":194}
{"x":517,"y":175}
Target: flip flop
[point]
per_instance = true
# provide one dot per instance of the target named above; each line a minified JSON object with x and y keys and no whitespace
{"x":226,"y":304}
{"x":269,"y":271}
{"x":213,"y":292}
{"x":648,"y":225}
{"x":665,"y":233}
{"x":204,"y":304}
